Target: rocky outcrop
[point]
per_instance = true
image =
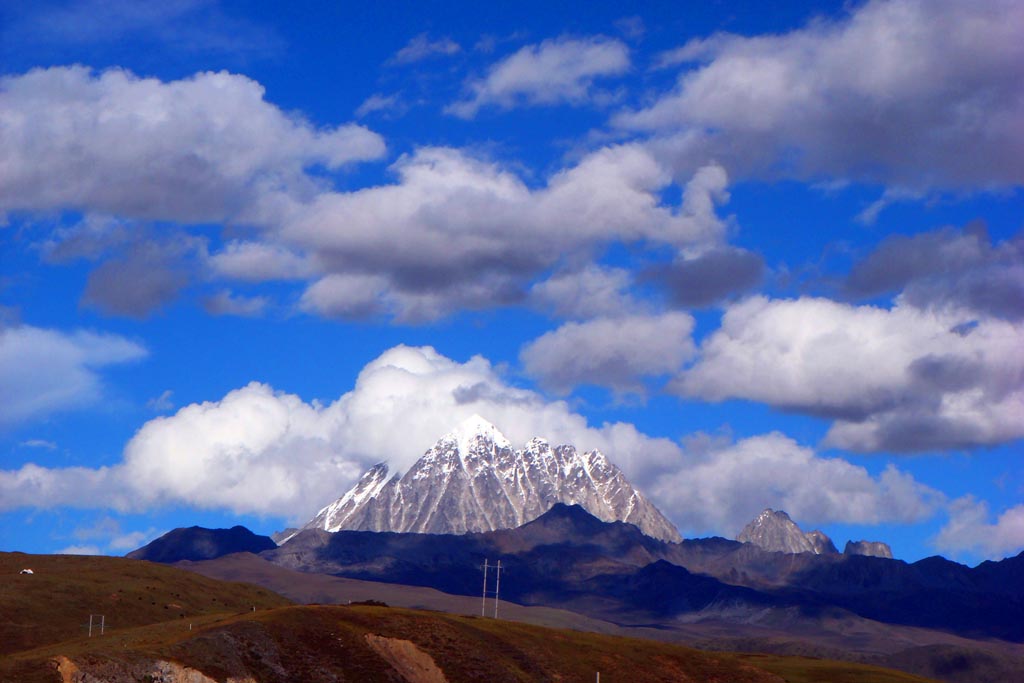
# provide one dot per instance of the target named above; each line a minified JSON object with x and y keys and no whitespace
{"x":868,"y":548}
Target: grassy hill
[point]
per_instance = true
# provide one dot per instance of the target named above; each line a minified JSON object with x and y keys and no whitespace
{"x":169,"y":624}
{"x":54,"y":603}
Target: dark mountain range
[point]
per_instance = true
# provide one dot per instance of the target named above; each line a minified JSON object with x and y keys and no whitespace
{"x":552,"y":558}
{"x":198,"y":543}
{"x":567,"y":558}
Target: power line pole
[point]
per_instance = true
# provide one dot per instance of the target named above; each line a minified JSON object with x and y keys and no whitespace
{"x":497,"y":589}
{"x":483,"y":597}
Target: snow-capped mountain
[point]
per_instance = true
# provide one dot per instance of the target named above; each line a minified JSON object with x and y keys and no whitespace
{"x":773,"y":530}
{"x":473,"y":480}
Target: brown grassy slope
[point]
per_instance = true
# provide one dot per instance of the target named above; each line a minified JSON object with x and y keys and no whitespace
{"x":470,"y":646}
{"x":330,"y":643}
{"x":308,"y":588}
{"x":55,"y":602}
{"x":149,"y":607}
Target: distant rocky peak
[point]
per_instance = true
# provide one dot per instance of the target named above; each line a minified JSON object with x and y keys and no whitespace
{"x":869,"y":548}
{"x":770,"y":518}
{"x":775,"y":531}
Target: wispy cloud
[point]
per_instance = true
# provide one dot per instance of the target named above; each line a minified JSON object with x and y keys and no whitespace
{"x":559,"y":71}
{"x":226,"y":302}
{"x":44,"y":371}
{"x":380,"y":103}
{"x":80,"y":549}
{"x":192,"y":26}
{"x":422,"y":47}
{"x":162,"y":403}
{"x":39,"y":443}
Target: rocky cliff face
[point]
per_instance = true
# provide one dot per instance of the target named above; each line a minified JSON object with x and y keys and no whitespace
{"x":473,"y":480}
{"x":820,"y":543}
{"x":869,"y":548}
{"x":774,"y":531}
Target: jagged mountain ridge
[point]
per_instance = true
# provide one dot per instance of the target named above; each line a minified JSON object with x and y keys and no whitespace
{"x":775,"y":531}
{"x":473,"y":480}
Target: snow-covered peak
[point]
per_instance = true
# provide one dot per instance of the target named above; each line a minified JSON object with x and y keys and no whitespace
{"x":367,"y":488}
{"x":473,"y":480}
{"x":473,"y":428}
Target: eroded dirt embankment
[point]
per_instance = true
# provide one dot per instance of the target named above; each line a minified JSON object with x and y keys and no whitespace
{"x":412,"y":663}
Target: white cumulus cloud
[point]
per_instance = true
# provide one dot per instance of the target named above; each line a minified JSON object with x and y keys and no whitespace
{"x":916,"y":94}
{"x":460,"y":232}
{"x":970,"y":530}
{"x":899,"y":378}
{"x":196,"y":149}
{"x":722,"y":486}
{"x":615,"y":352}
{"x":587,"y":292}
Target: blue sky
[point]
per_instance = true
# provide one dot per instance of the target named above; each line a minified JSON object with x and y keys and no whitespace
{"x":758,"y":258}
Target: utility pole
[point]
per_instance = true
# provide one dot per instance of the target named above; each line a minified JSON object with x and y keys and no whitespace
{"x":483,"y":597}
{"x":497,"y":589}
